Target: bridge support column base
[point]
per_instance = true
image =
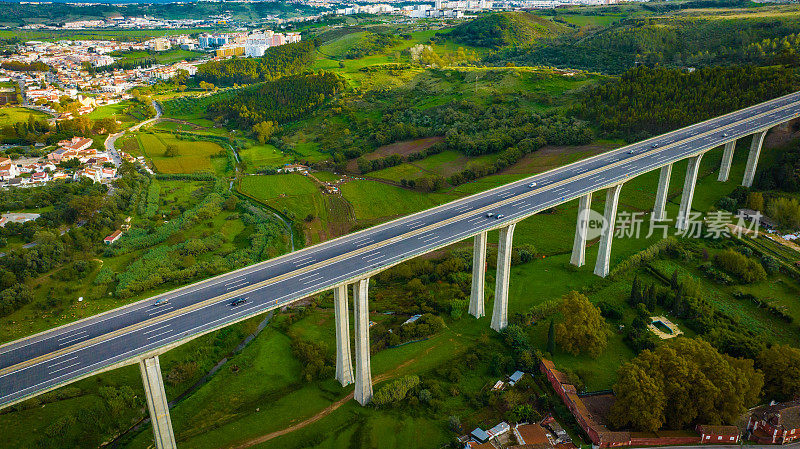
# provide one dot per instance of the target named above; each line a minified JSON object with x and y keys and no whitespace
{"x":752,"y":158}
{"x":157,"y":403}
{"x":579,"y":245}
{"x":476,"y":297}
{"x":688,"y":192}
{"x":344,"y":362}
{"x":601,"y":266}
{"x":659,"y":209}
{"x":727,"y":159}
{"x":363,"y":375}
{"x":500,"y":310}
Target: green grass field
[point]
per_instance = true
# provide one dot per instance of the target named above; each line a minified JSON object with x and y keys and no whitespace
{"x":11,"y":115}
{"x":118,"y":112}
{"x":373,"y":200}
{"x":193,"y":156}
{"x":262,"y":156}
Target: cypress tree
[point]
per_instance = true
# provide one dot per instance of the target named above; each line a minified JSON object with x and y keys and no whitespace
{"x":551,"y":338}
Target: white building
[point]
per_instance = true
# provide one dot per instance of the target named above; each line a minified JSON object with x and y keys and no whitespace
{"x":257,"y":44}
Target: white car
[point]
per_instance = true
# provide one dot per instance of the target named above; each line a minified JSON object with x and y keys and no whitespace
{"x":489,"y":214}
{"x":532,"y":185}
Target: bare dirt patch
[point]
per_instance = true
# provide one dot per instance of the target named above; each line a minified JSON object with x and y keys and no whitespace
{"x":402,"y":148}
{"x":550,"y":157}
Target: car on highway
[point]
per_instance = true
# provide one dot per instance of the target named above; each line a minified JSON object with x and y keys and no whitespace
{"x":489,"y":214}
{"x":532,"y":185}
{"x":238,"y":301}
{"x":499,"y":216}
{"x":655,"y":145}
{"x":724,"y":134}
{"x":158,"y":302}
{"x":631,"y":151}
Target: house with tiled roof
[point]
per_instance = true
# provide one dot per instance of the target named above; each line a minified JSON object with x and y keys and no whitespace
{"x":76,"y":143}
{"x":8,"y":169}
{"x":718,"y":434}
{"x":775,"y":423}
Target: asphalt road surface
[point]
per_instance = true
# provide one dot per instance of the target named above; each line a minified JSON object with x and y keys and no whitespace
{"x":59,"y":356}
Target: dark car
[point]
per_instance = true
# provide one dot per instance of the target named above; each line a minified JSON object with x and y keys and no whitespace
{"x":238,"y":301}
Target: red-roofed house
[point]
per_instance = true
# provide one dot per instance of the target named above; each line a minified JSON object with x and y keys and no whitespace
{"x":76,"y":143}
{"x":776,"y":423}
{"x":113,"y":237}
{"x":8,"y":169}
{"x":718,"y":434}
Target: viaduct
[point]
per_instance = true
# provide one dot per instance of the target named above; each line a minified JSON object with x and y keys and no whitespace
{"x":139,"y":332}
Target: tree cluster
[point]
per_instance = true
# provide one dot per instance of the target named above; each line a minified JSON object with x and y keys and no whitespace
{"x":681,"y":383}
{"x":649,"y":101}
{"x":280,"y":101}
{"x":277,"y":61}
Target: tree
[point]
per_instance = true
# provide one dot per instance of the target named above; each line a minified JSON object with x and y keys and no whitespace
{"x":781,"y":367}
{"x":206,"y":86}
{"x":171,"y":151}
{"x":264,"y":131}
{"x":584,"y":328}
{"x":551,"y":337}
{"x":755,"y":201}
{"x":785,"y":211}
{"x":395,"y":391}
{"x":683,"y":382}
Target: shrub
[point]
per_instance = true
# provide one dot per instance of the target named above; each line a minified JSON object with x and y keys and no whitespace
{"x":395,"y":391}
{"x":740,"y":266}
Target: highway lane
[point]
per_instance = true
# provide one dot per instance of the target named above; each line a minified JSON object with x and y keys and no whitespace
{"x":86,"y":346}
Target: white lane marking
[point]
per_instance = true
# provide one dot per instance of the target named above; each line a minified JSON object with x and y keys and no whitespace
{"x":155,"y":329}
{"x":71,"y":340}
{"x":240,"y":284}
{"x":158,"y":335}
{"x":66,"y":367}
{"x":63,"y":361}
{"x":312,"y":276}
{"x":158,"y":312}
{"x":71,"y":335}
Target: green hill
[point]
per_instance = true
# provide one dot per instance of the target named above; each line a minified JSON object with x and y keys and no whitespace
{"x":510,"y":28}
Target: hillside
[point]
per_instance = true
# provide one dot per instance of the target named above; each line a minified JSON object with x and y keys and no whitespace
{"x":500,"y":30}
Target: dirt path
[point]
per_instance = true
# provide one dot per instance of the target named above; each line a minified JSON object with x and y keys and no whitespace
{"x":326,"y":411}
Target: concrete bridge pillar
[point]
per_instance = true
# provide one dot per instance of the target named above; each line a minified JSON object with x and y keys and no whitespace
{"x":579,"y":245}
{"x":688,"y":191}
{"x":478,"y":275}
{"x":157,"y":403}
{"x":727,"y":158}
{"x":500,"y":311}
{"x":601,"y":267}
{"x":363,"y":374}
{"x":344,"y":362}
{"x":752,"y":158}
{"x":659,"y":208}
